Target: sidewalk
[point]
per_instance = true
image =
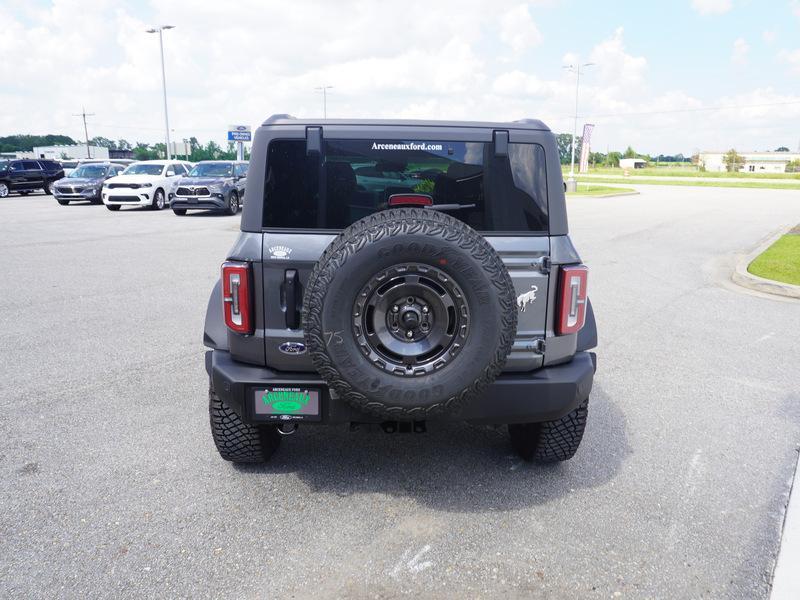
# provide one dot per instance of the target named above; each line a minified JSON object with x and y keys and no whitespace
{"x":786,"y":578}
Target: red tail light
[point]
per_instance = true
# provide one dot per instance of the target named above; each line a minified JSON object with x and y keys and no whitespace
{"x":410,"y":200}
{"x":571,"y":299}
{"x":237,"y":303}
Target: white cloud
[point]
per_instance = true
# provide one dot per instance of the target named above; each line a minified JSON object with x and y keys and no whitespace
{"x":518,"y":30}
{"x":617,"y":68}
{"x":712,"y":7}
{"x":430,"y":60}
{"x":769,"y":35}
{"x":740,"y":51}
{"x":791,"y":58}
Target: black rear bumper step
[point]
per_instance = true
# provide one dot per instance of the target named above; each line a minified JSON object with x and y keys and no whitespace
{"x":543,"y":395}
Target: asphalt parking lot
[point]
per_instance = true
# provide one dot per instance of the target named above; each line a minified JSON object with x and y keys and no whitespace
{"x":111,"y":485}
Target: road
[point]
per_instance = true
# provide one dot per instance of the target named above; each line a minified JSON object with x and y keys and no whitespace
{"x":111,"y":486}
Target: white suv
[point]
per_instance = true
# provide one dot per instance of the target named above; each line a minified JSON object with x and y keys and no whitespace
{"x":146,"y":183}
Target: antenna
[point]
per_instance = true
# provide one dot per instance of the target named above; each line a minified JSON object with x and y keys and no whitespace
{"x":84,"y":114}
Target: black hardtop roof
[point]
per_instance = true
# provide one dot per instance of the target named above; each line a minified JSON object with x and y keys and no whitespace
{"x":284,"y":119}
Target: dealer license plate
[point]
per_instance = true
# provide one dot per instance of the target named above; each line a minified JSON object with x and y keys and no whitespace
{"x":287,"y":403}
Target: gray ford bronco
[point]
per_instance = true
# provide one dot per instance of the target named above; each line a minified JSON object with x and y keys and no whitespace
{"x":400,"y":272}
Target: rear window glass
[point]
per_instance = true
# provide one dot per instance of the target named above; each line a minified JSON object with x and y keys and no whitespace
{"x":351,"y":179}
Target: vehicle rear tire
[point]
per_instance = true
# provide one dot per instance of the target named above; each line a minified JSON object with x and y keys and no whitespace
{"x":48,"y":188}
{"x":158,"y":200}
{"x":112,"y":206}
{"x":232,"y":205}
{"x":551,"y":441}
{"x":236,"y":440}
{"x":408,"y":314}
{"x":179,"y":211}
{"x":4,"y":189}
{"x":62,"y":201}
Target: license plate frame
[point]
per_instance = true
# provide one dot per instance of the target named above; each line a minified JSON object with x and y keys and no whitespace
{"x":286,"y":402}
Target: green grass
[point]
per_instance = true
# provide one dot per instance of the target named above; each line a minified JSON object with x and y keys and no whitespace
{"x":590,"y":189}
{"x":780,"y":262}
{"x":789,"y":185}
{"x":684,"y":171}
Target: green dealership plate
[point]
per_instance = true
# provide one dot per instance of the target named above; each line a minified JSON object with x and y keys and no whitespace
{"x":287,"y":403}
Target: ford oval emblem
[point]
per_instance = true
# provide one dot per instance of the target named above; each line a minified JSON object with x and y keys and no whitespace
{"x":292,"y":348}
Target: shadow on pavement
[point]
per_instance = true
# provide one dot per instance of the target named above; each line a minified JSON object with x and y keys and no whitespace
{"x":454,"y":467}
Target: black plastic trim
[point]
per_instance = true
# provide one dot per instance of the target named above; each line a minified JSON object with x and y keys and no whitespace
{"x":543,"y":395}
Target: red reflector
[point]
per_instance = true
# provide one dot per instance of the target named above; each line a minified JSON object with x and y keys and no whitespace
{"x":572,"y":293}
{"x":410,"y":200}
{"x":236,"y":297}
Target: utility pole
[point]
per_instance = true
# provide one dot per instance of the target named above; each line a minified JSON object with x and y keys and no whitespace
{"x":159,"y":30}
{"x":572,"y":186}
{"x":84,"y":114}
{"x":324,"y":89}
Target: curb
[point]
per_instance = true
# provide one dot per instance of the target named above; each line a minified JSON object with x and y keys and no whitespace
{"x":744,"y":278}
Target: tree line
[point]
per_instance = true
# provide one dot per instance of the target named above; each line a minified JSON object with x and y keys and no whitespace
{"x":610,"y":159}
{"x":197,"y":151}
{"x":141,"y":150}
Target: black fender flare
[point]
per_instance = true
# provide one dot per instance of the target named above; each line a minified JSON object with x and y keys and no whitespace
{"x":215,"y":334}
{"x":587,"y":336}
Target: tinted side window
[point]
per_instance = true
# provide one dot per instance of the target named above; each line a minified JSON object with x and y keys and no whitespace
{"x":30,"y":165}
{"x":241,"y":170}
{"x":291,"y":187}
{"x":354,"y":178}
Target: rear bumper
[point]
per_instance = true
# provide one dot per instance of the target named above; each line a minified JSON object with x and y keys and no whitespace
{"x":543,"y":395}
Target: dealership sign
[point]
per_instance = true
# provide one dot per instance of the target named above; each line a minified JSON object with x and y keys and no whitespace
{"x":238,"y":133}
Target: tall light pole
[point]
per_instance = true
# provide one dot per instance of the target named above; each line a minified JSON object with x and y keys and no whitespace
{"x":85,"y":128}
{"x":159,"y":30}
{"x":324,"y":89}
{"x":577,"y":70}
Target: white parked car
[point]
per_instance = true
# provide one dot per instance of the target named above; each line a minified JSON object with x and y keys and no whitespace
{"x":146,"y":183}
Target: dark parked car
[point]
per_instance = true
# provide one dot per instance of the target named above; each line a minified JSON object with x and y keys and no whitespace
{"x":26,"y":175}
{"x":85,"y":182}
{"x":398,"y":272}
{"x":211,"y":185}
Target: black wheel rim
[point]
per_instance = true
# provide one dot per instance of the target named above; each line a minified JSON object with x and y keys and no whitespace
{"x":411,"y":319}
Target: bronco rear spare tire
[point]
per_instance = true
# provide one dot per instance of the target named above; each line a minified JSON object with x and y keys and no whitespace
{"x":409,"y":313}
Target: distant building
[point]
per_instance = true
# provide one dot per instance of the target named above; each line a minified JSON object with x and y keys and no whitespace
{"x":753,"y":162}
{"x":58,"y":152}
{"x":632,"y":163}
{"x":120,"y":154}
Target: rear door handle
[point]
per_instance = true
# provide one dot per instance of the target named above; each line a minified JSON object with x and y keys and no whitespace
{"x":291,"y":286}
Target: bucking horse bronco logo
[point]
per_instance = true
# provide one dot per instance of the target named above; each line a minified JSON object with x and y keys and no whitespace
{"x":527,"y":298}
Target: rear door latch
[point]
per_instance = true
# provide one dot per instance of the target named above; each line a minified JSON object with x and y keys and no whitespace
{"x":542,"y":265}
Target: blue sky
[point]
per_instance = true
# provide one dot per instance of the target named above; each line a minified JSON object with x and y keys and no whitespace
{"x":240,"y":61}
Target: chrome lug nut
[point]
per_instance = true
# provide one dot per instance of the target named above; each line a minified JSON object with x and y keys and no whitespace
{"x":395,"y":308}
{"x":425,"y":309}
{"x":409,"y":334}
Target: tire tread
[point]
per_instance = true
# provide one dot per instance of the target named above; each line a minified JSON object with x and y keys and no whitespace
{"x":393,"y":222}
{"x":236,"y":440}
